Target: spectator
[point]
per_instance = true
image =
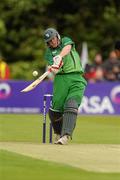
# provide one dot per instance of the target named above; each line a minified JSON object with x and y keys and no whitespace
{"x":117,"y":48}
{"x":99,"y":74}
{"x":116,"y":71}
{"x":4,"y":70}
{"x":111,"y":67}
{"x":94,"y":72}
{"x":89,"y":73}
{"x":98,"y":60}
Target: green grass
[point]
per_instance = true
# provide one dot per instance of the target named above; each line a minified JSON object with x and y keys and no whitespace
{"x":89,"y":129}
{"x":28,"y":128}
{"x":18,"y":167}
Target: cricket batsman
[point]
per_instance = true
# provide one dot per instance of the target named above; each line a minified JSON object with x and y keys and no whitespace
{"x":68,"y":86}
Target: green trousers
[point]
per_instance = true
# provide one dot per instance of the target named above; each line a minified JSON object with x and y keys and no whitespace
{"x":67,"y":86}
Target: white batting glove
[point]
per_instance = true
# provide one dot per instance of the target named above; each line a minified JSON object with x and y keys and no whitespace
{"x":57,"y":60}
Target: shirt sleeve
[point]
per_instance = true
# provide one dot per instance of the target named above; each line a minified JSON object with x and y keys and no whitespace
{"x":67,"y":41}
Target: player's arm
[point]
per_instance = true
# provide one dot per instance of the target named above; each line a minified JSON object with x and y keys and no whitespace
{"x":58,"y":59}
{"x":66,"y":50}
{"x":67,"y":45}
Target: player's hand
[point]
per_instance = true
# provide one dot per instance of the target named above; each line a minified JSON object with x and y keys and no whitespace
{"x":57,"y":60}
{"x":55,"y":68}
{"x":57,"y":64}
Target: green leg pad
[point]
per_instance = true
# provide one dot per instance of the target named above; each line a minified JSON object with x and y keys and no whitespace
{"x":69,"y":122}
{"x":69,"y":117}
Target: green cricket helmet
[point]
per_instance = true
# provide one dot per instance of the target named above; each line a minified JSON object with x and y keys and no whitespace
{"x":50,"y":33}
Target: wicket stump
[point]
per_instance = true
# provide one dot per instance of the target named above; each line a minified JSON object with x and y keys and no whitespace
{"x":45,"y":100}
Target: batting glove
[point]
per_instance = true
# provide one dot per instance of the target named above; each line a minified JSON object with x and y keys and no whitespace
{"x":55,"y":68}
{"x":57,"y":60}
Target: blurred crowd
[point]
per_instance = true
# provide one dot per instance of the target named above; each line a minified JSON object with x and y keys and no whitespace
{"x":99,"y":70}
{"x":103,"y":69}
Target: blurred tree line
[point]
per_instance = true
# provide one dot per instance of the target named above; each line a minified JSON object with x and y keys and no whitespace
{"x":22,"y":24}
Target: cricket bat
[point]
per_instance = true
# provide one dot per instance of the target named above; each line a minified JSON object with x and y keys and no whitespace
{"x":36,"y":82}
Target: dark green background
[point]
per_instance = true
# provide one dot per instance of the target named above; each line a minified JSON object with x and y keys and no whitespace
{"x":22,"y":23}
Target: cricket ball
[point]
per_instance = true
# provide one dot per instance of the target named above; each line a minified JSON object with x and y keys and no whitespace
{"x":35,"y":73}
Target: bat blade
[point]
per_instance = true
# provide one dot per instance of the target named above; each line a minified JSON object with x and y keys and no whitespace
{"x":36,"y":82}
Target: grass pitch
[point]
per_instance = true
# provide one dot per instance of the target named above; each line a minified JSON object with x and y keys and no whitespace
{"x":95,"y":149}
{"x":89,"y":129}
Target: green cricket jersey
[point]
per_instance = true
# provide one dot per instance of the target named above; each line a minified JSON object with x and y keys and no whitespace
{"x":72,"y":62}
